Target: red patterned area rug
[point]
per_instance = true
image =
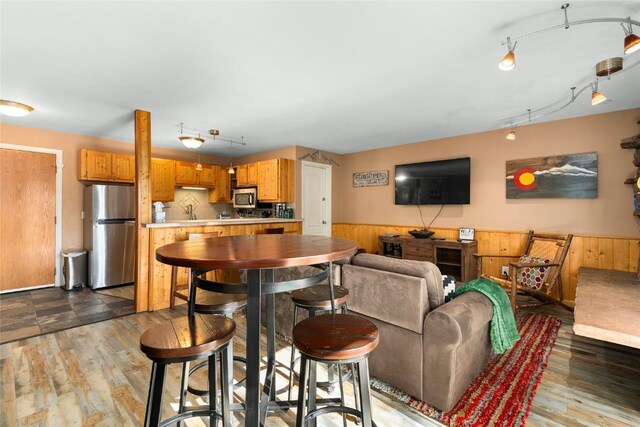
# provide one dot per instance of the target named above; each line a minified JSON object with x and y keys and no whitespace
{"x":503,"y":392}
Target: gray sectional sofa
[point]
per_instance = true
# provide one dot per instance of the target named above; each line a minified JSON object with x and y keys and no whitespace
{"x":428,"y":349}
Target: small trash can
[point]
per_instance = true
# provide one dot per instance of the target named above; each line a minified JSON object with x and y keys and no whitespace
{"x":74,"y":268}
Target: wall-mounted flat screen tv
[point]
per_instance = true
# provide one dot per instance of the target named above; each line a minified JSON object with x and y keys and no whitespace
{"x":442,"y":182}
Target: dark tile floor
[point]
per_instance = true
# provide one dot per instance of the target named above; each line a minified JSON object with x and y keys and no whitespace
{"x":40,"y":311}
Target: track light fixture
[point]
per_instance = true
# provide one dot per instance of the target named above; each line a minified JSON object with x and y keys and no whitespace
{"x":631,"y":41}
{"x":508,"y":61}
{"x":512,"y":135}
{"x":192,"y":141}
{"x":596,"y":97}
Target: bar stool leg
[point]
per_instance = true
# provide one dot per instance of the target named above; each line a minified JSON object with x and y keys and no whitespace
{"x":293,"y":353}
{"x":226,"y":362}
{"x":302,"y":388}
{"x":154,"y":401}
{"x":365,"y":393}
{"x":213,"y":392}
{"x":342,"y":401}
{"x":184,"y":383}
{"x":313,"y":366}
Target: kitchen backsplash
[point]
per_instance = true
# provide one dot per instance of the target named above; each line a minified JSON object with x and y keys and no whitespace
{"x":202,"y":209}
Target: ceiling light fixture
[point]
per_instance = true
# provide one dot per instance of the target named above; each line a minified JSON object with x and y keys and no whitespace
{"x":14,"y":109}
{"x":231,"y":170}
{"x":596,"y":97}
{"x":512,"y":135}
{"x":508,"y":61}
{"x":631,"y":41}
{"x":190,"y":141}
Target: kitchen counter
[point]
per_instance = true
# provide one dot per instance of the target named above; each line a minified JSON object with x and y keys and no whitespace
{"x":230,"y":221}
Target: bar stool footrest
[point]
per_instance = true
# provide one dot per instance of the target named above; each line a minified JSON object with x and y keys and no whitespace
{"x":332,"y":410}
{"x":193,"y":412}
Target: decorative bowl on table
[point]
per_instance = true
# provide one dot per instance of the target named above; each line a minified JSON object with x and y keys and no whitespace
{"x":422,"y":234}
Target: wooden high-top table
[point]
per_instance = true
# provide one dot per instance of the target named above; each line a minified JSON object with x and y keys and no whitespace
{"x":256,"y":253}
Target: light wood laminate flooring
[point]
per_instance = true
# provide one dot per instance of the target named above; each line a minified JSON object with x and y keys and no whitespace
{"x":96,"y":375}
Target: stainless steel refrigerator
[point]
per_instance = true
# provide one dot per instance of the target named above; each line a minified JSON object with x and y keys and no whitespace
{"x":109,"y":234}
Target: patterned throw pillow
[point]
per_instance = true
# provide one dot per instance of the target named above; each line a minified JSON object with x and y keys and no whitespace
{"x":532,"y":277}
{"x":449,"y":285}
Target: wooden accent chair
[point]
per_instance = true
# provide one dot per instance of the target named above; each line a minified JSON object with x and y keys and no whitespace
{"x":182,"y":290}
{"x":537,"y":271}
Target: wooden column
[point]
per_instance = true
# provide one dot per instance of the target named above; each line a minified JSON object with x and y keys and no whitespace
{"x":143,"y":207}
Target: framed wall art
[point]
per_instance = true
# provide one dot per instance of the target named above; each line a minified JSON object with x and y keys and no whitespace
{"x":369,"y":179}
{"x":567,"y":176}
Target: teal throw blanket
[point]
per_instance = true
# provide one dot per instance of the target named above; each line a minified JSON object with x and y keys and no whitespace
{"x":504,"y":332}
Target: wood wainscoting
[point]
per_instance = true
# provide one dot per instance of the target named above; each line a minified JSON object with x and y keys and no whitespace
{"x":614,"y":253}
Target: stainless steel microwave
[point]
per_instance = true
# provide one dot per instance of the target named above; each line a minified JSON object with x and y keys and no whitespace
{"x":245,"y":198}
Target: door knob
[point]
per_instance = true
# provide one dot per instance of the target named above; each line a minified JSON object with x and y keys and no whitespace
{"x":324,"y":222}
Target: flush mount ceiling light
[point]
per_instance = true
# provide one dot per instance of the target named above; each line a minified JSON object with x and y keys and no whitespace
{"x":14,"y":109}
{"x":631,"y":41}
{"x":190,"y":141}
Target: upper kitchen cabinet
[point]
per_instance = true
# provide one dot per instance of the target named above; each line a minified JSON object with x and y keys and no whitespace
{"x":187,"y":174}
{"x":247,"y":175}
{"x":276,"y":180}
{"x":163,"y":180}
{"x":106,"y":167}
{"x":222,"y":191}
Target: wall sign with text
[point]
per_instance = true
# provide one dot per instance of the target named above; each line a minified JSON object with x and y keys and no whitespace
{"x":369,"y":179}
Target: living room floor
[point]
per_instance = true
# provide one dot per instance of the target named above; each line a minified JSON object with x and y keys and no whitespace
{"x":96,"y":374}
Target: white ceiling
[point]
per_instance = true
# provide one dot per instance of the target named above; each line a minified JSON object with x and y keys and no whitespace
{"x":338,"y":76}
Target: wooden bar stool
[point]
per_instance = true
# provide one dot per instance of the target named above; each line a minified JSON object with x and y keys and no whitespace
{"x":181,"y":340}
{"x":316,"y":299}
{"x":204,"y":302}
{"x":340,"y":339}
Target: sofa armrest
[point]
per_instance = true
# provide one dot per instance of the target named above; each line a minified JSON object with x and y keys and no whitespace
{"x":456,"y":348}
{"x":452,"y":323}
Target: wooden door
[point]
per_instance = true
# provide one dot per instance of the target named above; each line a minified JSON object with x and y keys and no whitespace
{"x":123,"y":167}
{"x":268,"y":180}
{"x":207,"y":176}
{"x":95,"y":165}
{"x":185,"y":173}
{"x":27,"y":219}
{"x":163,"y":180}
{"x":252,"y":174}
{"x":241,"y":176}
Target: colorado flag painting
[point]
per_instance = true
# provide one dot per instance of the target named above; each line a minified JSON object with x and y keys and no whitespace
{"x":568,"y":176}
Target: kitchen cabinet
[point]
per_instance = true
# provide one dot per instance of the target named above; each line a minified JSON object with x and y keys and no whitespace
{"x":106,"y":167}
{"x":186,"y":174}
{"x":222,"y":191}
{"x":247,"y":175}
{"x":276,"y":180}
{"x":163,"y":180}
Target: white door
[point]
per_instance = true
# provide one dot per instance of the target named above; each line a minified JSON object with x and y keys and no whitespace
{"x":316,"y":199}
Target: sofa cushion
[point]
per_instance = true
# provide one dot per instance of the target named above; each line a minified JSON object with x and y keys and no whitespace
{"x":394,"y":298}
{"x":422,"y":269}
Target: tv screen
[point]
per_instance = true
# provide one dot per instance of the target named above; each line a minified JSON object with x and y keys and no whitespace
{"x":443,"y":182}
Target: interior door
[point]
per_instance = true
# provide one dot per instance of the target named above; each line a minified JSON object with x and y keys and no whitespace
{"x":316,"y":199}
{"x":27,"y":219}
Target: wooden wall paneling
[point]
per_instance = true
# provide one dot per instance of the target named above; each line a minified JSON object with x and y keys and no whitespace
{"x":618,"y":253}
{"x":142,"y":130}
{"x":621,"y":257}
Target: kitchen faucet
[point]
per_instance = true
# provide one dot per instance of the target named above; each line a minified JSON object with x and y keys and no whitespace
{"x":192,"y":216}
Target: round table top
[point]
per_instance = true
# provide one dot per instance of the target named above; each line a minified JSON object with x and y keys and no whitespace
{"x":256,"y":251}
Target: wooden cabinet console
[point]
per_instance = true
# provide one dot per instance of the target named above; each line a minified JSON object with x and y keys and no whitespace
{"x":452,"y":257}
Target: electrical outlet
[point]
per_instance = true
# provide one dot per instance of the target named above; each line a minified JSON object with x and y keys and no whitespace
{"x":505,"y":271}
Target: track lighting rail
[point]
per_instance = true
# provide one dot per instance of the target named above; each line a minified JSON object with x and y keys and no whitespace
{"x":212,"y":134}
